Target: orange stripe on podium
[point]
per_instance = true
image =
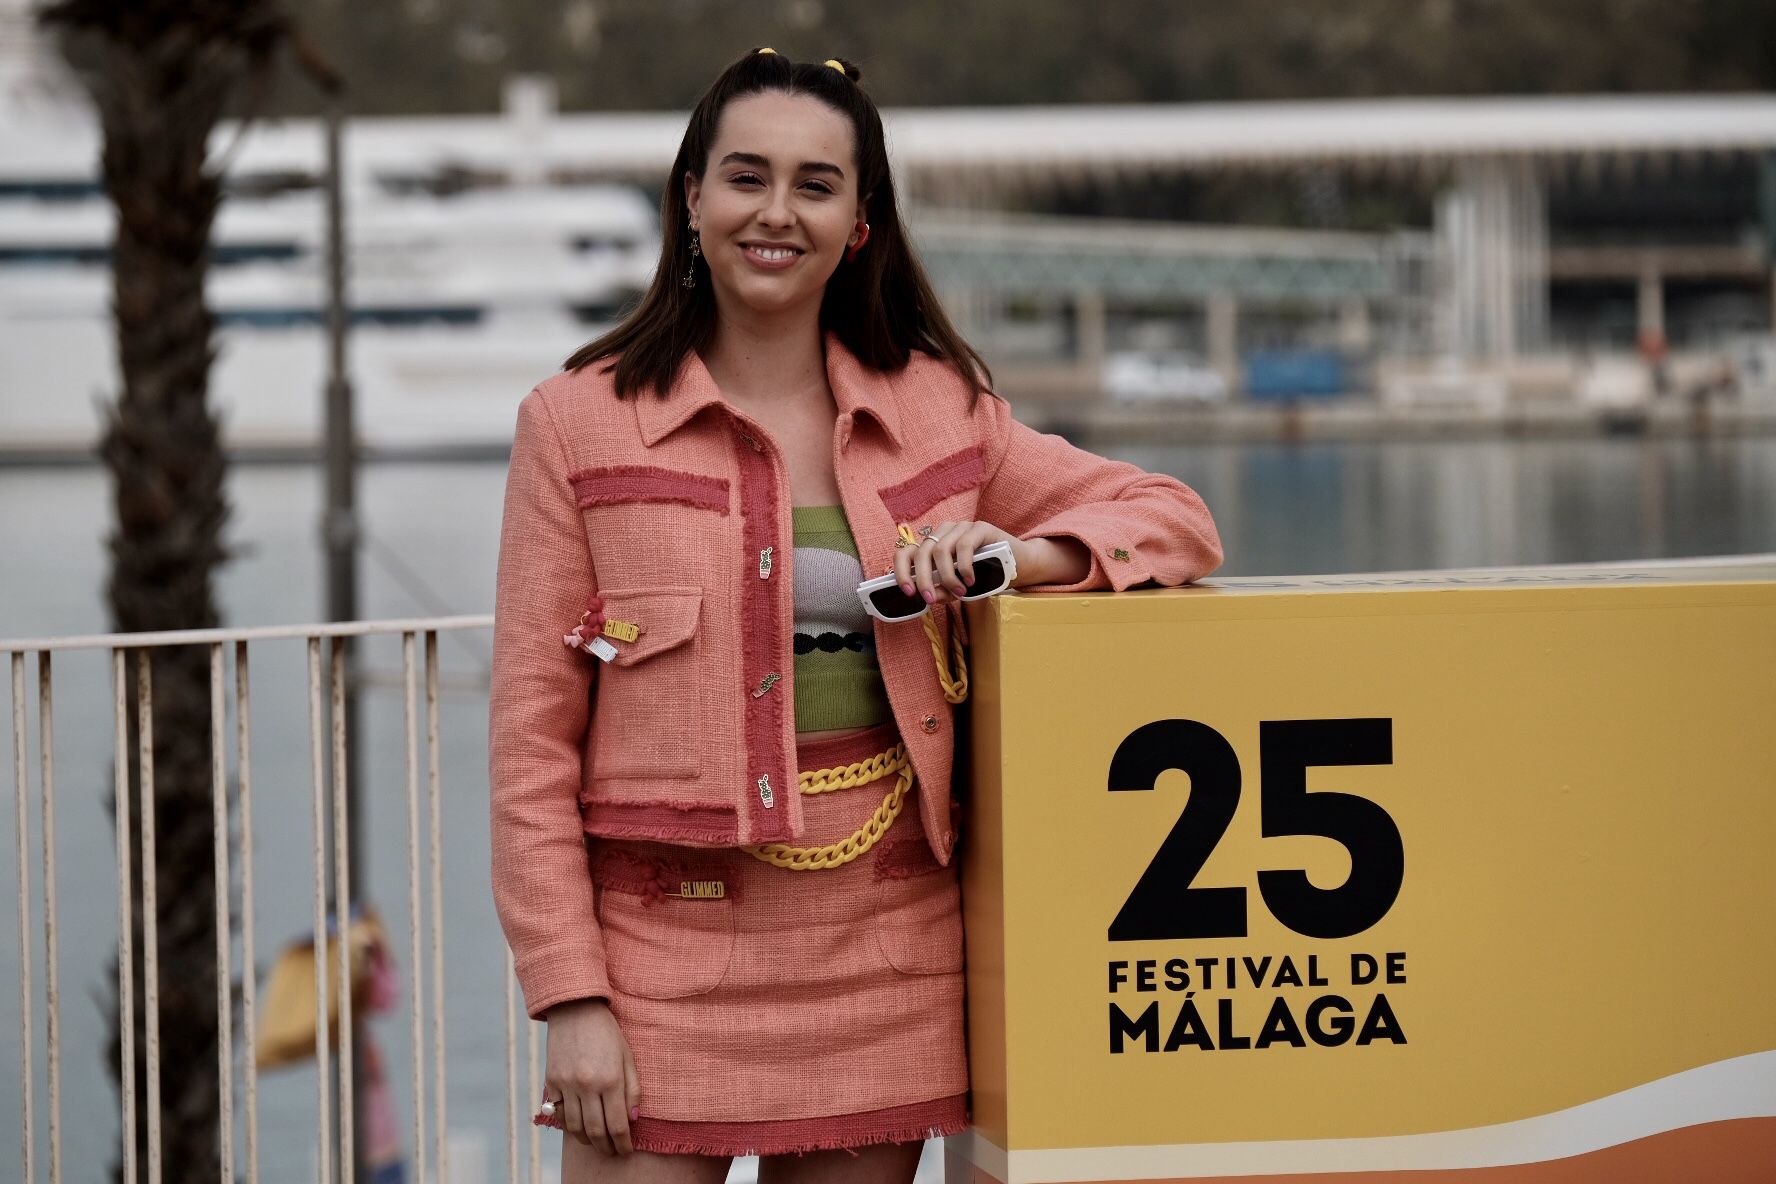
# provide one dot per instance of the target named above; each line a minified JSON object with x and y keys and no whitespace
{"x":1735,"y":1151}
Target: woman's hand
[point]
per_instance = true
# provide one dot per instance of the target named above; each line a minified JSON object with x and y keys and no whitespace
{"x":589,"y":1068}
{"x":941,"y":566}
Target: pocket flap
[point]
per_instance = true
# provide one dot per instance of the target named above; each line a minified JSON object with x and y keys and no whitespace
{"x":665,"y":617}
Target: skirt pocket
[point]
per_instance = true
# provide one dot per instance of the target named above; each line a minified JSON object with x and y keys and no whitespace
{"x":918,"y":914}
{"x":666,"y":946}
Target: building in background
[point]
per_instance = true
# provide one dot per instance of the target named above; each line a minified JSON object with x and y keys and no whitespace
{"x":1563,"y":235}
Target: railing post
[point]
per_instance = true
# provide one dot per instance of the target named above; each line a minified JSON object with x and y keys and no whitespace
{"x":126,"y":929}
{"x":323,"y":1059}
{"x":249,"y":965}
{"x":27,"y":1090}
{"x":150,"y":905}
{"x":342,"y":904}
{"x":224,"y":975}
{"x":434,"y":805}
{"x":410,"y":697}
{"x":512,"y":1111}
{"x":52,"y":992}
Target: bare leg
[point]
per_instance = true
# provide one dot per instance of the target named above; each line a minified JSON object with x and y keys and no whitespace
{"x":581,"y":1164}
{"x":884,"y":1163}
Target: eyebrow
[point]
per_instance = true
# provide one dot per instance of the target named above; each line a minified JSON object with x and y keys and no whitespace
{"x":756,"y":161}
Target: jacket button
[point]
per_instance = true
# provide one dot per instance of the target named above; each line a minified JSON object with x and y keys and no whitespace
{"x":929,"y":723}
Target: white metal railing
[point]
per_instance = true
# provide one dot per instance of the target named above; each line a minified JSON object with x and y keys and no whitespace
{"x":329,"y":747}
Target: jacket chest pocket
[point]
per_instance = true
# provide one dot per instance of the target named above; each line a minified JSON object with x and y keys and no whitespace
{"x":651,"y":527}
{"x":649,"y":698}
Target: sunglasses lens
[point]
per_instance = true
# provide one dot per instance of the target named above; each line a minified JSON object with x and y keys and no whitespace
{"x":892,"y":603}
{"x":989,"y":576}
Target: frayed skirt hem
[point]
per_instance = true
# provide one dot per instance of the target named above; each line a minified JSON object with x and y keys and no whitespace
{"x":795,"y":1136}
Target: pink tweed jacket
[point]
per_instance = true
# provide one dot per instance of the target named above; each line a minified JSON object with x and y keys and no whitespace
{"x":674,"y":513}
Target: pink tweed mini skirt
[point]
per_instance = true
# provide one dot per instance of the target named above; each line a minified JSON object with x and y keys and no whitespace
{"x":772,"y":1011}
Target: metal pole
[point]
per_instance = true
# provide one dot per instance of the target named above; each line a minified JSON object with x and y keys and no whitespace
{"x":339,"y":526}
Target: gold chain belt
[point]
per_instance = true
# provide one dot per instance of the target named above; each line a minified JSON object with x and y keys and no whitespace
{"x":808,"y":859}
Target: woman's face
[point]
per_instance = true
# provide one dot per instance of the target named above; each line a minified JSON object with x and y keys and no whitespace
{"x":777,"y":203}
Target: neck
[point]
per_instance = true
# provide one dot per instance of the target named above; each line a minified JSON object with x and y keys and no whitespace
{"x":759,"y":362}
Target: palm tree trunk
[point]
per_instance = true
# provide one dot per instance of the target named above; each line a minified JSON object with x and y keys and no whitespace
{"x":161,"y":74}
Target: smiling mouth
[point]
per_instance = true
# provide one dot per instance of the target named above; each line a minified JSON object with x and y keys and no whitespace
{"x":773,"y":254}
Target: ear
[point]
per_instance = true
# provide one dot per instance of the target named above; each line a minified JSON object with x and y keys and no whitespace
{"x":693,"y":193}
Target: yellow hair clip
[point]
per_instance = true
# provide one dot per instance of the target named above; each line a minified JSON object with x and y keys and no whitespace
{"x":767,"y":49}
{"x":836,"y":64}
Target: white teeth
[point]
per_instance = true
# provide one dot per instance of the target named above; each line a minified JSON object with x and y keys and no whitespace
{"x":775,"y":252}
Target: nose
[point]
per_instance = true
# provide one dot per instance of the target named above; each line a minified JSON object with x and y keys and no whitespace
{"x":777,"y":210}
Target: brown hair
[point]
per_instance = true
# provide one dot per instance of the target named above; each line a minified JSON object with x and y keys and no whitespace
{"x":880,"y":305}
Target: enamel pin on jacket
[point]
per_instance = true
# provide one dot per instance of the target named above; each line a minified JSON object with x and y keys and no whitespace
{"x":673,"y":515}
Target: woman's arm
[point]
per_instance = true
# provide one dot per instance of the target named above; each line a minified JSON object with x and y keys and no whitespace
{"x":540,"y":703}
{"x":1134,"y":526}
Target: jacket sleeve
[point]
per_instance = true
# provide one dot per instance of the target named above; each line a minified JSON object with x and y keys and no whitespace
{"x":538,"y":713}
{"x":1138,"y":526}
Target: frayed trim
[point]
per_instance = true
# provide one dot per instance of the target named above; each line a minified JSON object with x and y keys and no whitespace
{"x":648,"y":483}
{"x":902,"y":859}
{"x":603,"y":805}
{"x":936,"y":481}
{"x":663,"y":821}
{"x":798,"y":1136}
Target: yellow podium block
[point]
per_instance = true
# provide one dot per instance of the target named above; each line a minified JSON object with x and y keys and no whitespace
{"x":1470,"y":877}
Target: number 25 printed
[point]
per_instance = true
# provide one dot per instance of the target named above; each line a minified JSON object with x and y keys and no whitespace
{"x":1164,"y":905}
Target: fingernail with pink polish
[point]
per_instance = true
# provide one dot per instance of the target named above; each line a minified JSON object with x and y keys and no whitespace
{"x":930,"y":596}
{"x":634,"y":1113}
{"x":907,"y":587}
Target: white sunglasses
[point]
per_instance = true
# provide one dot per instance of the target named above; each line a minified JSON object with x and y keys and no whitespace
{"x":883,"y":599}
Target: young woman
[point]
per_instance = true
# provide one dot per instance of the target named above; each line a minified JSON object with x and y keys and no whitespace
{"x":722,"y":819}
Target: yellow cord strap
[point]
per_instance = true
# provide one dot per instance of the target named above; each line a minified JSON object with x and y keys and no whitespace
{"x":809,"y":859}
{"x":955,"y":688}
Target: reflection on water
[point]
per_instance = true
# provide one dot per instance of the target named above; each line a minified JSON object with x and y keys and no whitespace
{"x":433,"y":533}
{"x":1390,"y":506}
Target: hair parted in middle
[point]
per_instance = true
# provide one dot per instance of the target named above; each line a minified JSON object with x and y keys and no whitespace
{"x":880,"y":305}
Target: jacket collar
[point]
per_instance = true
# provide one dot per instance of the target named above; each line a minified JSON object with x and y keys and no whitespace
{"x":856,"y":388}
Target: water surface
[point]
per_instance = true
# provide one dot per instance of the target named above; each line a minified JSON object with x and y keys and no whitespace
{"x":433,"y":531}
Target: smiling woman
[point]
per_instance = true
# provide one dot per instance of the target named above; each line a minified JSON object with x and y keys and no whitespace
{"x":764,"y":953}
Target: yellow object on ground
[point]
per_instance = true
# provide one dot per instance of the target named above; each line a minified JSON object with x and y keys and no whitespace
{"x":1470,"y":875}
